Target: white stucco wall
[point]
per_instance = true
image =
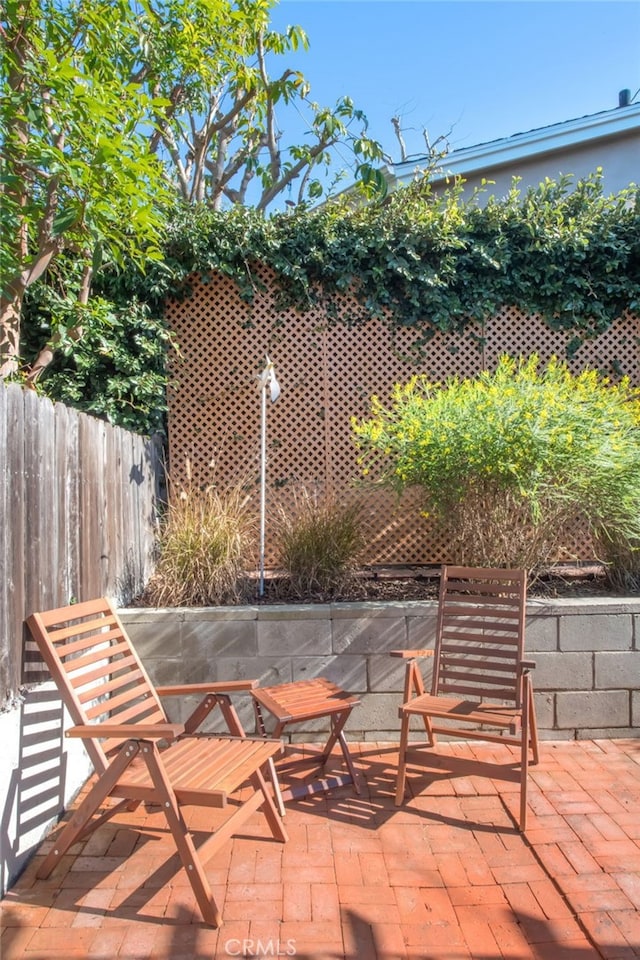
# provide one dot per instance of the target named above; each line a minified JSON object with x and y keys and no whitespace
{"x":40,"y":773}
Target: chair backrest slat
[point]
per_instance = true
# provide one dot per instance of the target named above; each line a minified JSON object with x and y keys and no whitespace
{"x":86,"y":628}
{"x":98,"y":672}
{"x":102,"y":673}
{"x":497,"y":666}
{"x":480,"y":634}
{"x":503,"y":592}
{"x":468,"y":649}
{"x":133,"y":694}
{"x":467,"y":628}
{"x":497,"y":695}
{"x":96,"y":651}
{"x":508,"y":613}
{"x":462,"y":640}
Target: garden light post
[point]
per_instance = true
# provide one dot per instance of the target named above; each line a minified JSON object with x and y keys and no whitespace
{"x":267,"y":380}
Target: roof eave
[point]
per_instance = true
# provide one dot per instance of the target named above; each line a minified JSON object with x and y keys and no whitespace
{"x":546,"y":140}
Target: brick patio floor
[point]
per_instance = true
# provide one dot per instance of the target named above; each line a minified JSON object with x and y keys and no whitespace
{"x":445,"y":877}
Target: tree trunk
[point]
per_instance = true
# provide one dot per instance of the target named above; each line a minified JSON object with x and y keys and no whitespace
{"x":10,"y":309}
{"x":11,"y":305}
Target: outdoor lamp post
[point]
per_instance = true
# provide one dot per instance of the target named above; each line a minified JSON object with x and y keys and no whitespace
{"x":268,"y":382}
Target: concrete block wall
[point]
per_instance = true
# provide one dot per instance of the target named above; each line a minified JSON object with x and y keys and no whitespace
{"x":587,"y":653}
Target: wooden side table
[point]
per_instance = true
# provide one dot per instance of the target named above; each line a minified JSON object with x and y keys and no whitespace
{"x":291,"y":703}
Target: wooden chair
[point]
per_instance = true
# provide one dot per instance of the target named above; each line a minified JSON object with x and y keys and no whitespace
{"x":300,"y":701}
{"x":138,"y":755}
{"x":479,"y":675}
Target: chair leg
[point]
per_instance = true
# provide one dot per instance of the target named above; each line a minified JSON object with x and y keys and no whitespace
{"x":277,"y":792}
{"x":274,"y":812}
{"x":81,"y":820}
{"x":337,"y":735}
{"x":428,"y":726}
{"x":402,"y":759}
{"x":273,"y":773}
{"x":533,"y":726}
{"x":524,"y":767}
{"x":349,"y":762}
{"x":182,"y":838}
{"x":338,"y":721}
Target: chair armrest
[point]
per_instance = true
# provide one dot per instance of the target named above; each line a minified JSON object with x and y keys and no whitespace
{"x":526,"y":664}
{"x":222,"y":686}
{"x":127,"y":731}
{"x":411,"y":654}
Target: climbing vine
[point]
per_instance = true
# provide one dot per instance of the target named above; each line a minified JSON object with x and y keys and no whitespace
{"x":432,"y":263}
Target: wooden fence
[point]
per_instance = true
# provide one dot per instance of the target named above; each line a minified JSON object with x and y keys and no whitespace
{"x":78,"y":513}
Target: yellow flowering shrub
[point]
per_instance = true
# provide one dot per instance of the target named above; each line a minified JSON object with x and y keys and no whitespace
{"x":506,"y":459}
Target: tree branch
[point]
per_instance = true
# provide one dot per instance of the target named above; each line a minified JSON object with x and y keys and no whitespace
{"x":293,"y":172}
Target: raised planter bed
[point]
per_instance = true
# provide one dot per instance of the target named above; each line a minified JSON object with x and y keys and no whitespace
{"x":587,"y":650}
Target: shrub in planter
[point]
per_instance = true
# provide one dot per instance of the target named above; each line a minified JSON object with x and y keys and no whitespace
{"x":623,"y":564}
{"x":206,"y":537}
{"x":506,"y":461}
{"x":319,"y":541}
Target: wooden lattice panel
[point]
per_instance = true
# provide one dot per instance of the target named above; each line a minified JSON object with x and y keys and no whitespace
{"x":614,"y":353}
{"x":327,"y":375}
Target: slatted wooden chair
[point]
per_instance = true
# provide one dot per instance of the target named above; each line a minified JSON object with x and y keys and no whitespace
{"x":481,"y":686}
{"x":138,"y":755}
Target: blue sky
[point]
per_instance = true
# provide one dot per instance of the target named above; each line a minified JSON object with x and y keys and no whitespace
{"x":474,"y":71}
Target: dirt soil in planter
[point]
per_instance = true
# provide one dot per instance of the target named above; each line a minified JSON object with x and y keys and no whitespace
{"x":394,"y":583}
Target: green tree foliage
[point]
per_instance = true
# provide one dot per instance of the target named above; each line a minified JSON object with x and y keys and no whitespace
{"x":116,"y":369}
{"x":110,"y":112}
{"x":133,"y":134}
{"x":217,"y":125}
{"x":77,"y":176}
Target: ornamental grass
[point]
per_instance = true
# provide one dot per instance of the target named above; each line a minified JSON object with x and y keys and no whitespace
{"x":319,"y":542}
{"x":206,"y":539}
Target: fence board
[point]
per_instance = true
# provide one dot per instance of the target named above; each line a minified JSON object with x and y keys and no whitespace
{"x":40,"y":497}
{"x":90,"y":542}
{"x":76,"y":523}
{"x":68,"y":461}
{"x":60,"y":569}
{"x":14,"y":529}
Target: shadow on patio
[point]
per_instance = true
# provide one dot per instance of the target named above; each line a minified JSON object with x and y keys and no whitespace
{"x":447,"y":876}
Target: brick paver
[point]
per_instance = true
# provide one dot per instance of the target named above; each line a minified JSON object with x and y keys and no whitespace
{"x":446,"y":876}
